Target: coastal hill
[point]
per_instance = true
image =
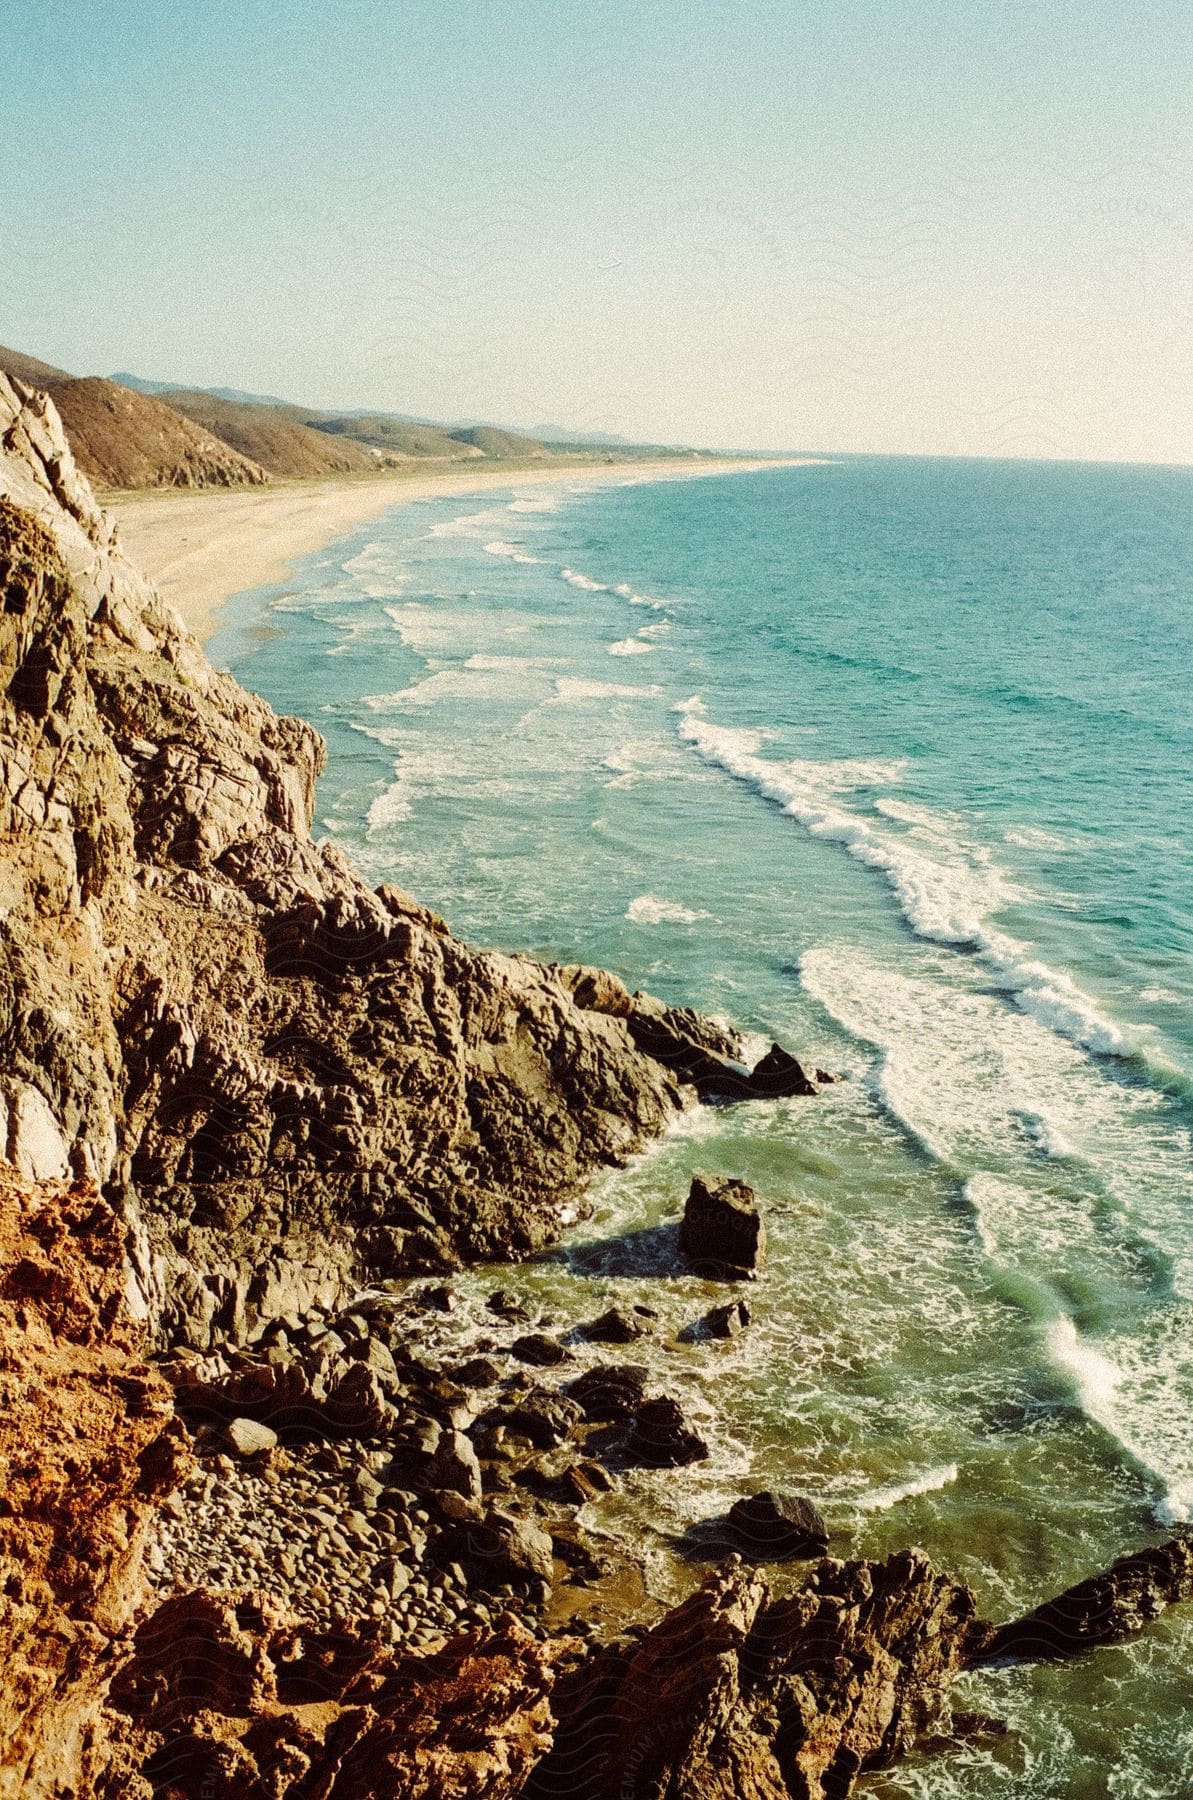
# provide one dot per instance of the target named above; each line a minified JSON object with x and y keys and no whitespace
{"x":126,"y":440}
{"x":129,"y":433}
{"x":274,"y":436}
{"x":123,"y":439}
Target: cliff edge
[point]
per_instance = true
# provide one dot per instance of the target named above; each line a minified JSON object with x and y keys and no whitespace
{"x":289,"y":1084}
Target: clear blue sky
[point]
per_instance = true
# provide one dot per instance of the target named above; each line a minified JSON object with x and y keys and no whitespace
{"x":836,"y":224}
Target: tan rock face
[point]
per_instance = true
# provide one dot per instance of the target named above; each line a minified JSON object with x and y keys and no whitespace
{"x":290,"y":1082}
{"x":88,"y":1447}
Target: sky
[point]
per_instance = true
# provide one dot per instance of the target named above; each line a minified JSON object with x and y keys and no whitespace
{"x":945,"y":227}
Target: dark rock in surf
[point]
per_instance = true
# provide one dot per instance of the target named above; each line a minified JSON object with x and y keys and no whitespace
{"x":726,"y":1321}
{"x":779,"y":1076}
{"x":543,"y":1418}
{"x":616,"y":1327}
{"x":769,"y":1526}
{"x":542,"y":1352}
{"x":1107,"y":1608}
{"x":722,"y":1235}
{"x":660,"y":1437}
{"x":610,"y":1393}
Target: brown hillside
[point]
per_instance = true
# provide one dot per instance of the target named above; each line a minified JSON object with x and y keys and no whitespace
{"x":490,"y":440}
{"x":126,"y":440}
{"x":28,"y":369}
{"x":266,"y":435}
{"x":396,"y":437}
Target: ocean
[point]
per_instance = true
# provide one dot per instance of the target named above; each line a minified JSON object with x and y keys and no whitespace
{"x":890,"y":760}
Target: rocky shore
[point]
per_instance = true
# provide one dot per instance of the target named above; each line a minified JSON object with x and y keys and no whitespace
{"x":264,"y":1532}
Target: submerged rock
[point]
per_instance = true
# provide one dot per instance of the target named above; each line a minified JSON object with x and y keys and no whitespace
{"x":722,"y":1235}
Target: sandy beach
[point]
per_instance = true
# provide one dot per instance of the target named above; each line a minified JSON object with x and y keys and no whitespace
{"x":202,"y":547}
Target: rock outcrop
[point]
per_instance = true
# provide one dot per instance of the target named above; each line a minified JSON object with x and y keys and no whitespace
{"x":228,"y":1698}
{"x":734,"y":1694}
{"x":722,"y":1235}
{"x":1111,"y":1606}
{"x":290,"y":1083}
{"x":88,"y":1448}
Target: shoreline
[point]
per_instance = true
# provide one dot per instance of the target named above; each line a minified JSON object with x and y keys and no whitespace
{"x":200,"y":548}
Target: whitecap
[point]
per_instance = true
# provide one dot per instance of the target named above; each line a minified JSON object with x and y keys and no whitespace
{"x":647,"y":909}
{"x":626,"y":592}
{"x":1098,"y":1384}
{"x":1160,"y":996}
{"x":883,"y":1498}
{"x":512,"y":552}
{"x":569,"y":689}
{"x":945,"y":896}
{"x":631,"y":646}
{"x":579,"y":580}
{"x":535,"y":503}
{"x":389,"y":808}
{"x":468,"y":525}
{"x":1034,"y":837}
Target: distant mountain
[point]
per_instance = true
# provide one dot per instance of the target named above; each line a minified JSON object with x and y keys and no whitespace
{"x":141,"y":386}
{"x":491,"y":440}
{"x":129,"y":432}
{"x":396,"y":437}
{"x":560,"y":434}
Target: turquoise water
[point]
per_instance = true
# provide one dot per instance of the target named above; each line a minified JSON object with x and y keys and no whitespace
{"x":892,"y":760}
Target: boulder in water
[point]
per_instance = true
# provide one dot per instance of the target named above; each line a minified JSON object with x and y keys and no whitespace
{"x":772,"y":1525}
{"x":1103,"y":1610}
{"x":778,"y":1076}
{"x":726,"y":1321}
{"x":722,"y":1235}
{"x":661,"y":1438}
{"x":616,"y":1327}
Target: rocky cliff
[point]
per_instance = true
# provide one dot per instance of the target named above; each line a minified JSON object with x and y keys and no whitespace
{"x":88,"y":1448}
{"x":289,"y":1083}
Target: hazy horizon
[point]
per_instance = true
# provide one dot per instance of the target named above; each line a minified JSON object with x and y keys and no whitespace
{"x":868,"y":228}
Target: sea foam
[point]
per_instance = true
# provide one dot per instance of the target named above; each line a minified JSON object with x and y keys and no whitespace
{"x":647,"y":909}
{"x":946,"y":889}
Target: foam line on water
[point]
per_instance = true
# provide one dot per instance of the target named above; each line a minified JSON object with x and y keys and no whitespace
{"x":648,"y":909}
{"x":945,"y":893}
{"x":1097,"y":1382}
{"x":576,"y":578}
{"x":511,"y":552}
{"x":883,"y":1498}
